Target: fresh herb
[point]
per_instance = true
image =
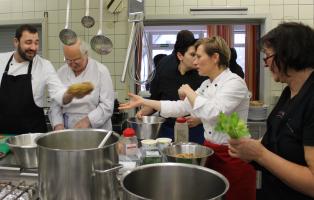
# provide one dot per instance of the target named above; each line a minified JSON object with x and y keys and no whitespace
{"x":232,"y":125}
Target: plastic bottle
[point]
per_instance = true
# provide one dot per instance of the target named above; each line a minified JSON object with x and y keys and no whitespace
{"x":130,"y":143}
{"x":181,"y":130}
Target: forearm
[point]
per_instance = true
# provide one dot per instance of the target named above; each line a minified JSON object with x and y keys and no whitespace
{"x":295,"y":176}
{"x":153,"y":104}
{"x":99,"y":116}
{"x":146,"y":111}
{"x":67,"y":98}
{"x":191,"y":95}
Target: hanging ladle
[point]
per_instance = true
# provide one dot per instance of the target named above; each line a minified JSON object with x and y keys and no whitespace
{"x":87,"y":21}
{"x":103,"y":142}
{"x":67,"y":36}
{"x":100,"y":43}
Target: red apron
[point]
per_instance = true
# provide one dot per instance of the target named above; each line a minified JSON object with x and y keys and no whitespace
{"x":241,"y":175}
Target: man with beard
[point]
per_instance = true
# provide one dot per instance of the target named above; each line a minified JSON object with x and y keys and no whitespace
{"x":24,"y":76}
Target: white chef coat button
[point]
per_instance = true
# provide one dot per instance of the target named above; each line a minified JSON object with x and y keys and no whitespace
{"x":215,"y":85}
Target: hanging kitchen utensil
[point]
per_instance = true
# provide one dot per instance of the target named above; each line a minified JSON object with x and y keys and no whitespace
{"x":87,"y":21}
{"x":67,"y":36}
{"x":103,"y":142}
{"x":100,"y":43}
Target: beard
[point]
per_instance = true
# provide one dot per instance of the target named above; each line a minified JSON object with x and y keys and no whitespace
{"x":23,"y":53}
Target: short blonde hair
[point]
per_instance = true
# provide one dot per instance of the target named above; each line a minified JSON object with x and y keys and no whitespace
{"x":216,"y":44}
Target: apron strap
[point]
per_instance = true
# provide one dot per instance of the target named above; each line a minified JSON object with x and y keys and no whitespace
{"x":8,"y":65}
{"x":29,"y":70}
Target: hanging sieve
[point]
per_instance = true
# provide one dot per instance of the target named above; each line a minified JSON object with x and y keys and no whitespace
{"x":87,"y":21}
{"x":100,"y":43}
{"x":67,"y":36}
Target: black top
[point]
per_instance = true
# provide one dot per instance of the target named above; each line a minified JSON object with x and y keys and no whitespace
{"x":168,"y":80}
{"x":289,"y":128}
{"x":236,"y":68}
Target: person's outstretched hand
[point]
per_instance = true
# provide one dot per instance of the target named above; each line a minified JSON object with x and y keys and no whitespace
{"x":135,"y":101}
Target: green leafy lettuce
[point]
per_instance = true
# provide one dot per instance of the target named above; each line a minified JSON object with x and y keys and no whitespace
{"x":232,"y":125}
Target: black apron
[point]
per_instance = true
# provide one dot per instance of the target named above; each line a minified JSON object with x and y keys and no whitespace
{"x":18,"y":112}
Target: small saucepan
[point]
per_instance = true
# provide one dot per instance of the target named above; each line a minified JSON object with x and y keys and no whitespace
{"x":24,"y":149}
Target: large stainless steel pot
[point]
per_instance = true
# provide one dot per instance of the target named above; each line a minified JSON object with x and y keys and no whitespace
{"x":68,"y":160}
{"x":173,"y":181}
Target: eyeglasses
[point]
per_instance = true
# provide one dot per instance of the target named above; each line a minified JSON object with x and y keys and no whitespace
{"x":77,"y":60}
{"x":266,"y":58}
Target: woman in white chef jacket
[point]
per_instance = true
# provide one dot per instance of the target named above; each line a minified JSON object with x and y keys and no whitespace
{"x":224,"y":92}
{"x":94,"y":110}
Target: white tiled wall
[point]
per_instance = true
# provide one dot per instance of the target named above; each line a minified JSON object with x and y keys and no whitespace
{"x":116,"y":26}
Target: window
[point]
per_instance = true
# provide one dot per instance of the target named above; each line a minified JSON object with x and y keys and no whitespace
{"x":239,"y":44}
{"x":161,"y":40}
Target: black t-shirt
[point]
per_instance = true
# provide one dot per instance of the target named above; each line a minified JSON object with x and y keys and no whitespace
{"x":168,"y":80}
{"x":289,"y":128}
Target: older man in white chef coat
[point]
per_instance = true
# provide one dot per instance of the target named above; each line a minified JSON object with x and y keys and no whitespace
{"x":94,"y":110}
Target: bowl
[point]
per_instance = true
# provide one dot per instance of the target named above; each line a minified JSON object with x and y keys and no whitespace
{"x":24,"y":149}
{"x":190,"y":153}
{"x":173,"y":181}
{"x":146,"y":128}
{"x":149,"y":144}
{"x":163,"y":143}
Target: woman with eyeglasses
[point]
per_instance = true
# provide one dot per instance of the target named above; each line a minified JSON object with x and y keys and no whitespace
{"x":224,"y":92}
{"x":285,"y":155}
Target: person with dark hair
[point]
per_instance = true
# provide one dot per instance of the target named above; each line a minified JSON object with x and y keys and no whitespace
{"x":24,"y":76}
{"x":173,"y":71}
{"x":285,"y":155}
{"x":158,"y":58}
{"x":224,"y":92}
{"x":233,"y":65}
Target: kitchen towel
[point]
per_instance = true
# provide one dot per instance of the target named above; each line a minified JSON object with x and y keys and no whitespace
{"x":4,"y":148}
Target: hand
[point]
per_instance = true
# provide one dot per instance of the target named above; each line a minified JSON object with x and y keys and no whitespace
{"x":83,"y":123}
{"x":193,"y":121}
{"x":183,"y":90}
{"x":135,"y":101}
{"x":246,"y":149}
{"x":58,"y":127}
{"x":139,"y":114}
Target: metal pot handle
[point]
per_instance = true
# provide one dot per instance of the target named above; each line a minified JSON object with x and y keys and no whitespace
{"x":116,"y":167}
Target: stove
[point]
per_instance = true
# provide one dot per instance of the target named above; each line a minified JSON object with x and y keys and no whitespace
{"x":18,"y":191}
{"x":17,"y":183}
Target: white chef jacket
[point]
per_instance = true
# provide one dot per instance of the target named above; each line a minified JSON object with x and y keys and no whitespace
{"x":227,"y":93}
{"x":43,"y":74}
{"x":98,"y":105}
